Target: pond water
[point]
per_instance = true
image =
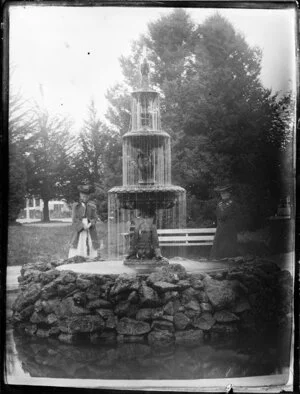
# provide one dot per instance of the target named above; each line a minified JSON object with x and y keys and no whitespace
{"x":227,"y":358}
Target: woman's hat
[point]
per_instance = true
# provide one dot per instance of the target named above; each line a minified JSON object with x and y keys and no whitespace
{"x":86,"y":189}
{"x":223,"y":188}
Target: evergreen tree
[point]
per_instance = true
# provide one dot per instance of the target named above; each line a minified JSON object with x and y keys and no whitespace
{"x":99,"y":158}
{"x":20,"y":124}
{"x":225,"y":126}
{"x":48,"y":161}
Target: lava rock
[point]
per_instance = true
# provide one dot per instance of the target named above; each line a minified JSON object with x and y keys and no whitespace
{"x":162,"y":325}
{"x":202,"y":296}
{"x":28,"y":297}
{"x":169,"y":295}
{"x":163,"y":287}
{"x":51,"y":319}
{"x":125,"y":308}
{"x":26,"y":312}
{"x":49,"y":290}
{"x":87,"y":323}
{"x":38,"y":318}
{"x":197,"y":284}
{"x":67,"y":277}
{"x":49,"y":276}
{"x":42,"y":333}
{"x":177,"y":269}
{"x":125,"y":282}
{"x":193,"y":305}
{"x":99,"y":303}
{"x":161,"y":338}
{"x":148,"y":296}
{"x":65,"y":289}
{"x":221,"y":294}
{"x":67,"y":308}
{"x":133,"y":297}
{"x":169,"y":308}
{"x":127,"y":326}
{"x":204,"y":322}
{"x":147,"y":314}
{"x":83,"y":284}
{"x":162,"y":276}
{"x":30,"y":329}
{"x":181,"y":321}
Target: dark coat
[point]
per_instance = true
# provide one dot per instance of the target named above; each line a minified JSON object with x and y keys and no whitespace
{"x":78,"y":213}
{"x":225,"y":241}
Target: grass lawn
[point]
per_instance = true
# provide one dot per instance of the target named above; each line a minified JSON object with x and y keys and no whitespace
{"x":28,"y":244}
{"x":32,"y":243}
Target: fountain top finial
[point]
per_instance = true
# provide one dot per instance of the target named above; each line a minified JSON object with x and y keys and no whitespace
{"x":145,"y":70}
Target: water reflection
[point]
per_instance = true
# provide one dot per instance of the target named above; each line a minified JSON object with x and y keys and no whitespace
{"x":235,"y":358}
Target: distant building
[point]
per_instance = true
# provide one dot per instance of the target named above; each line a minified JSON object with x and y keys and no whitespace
{"x":58,"y":209}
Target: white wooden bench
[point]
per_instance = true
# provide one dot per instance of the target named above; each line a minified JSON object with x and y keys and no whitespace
{"x":186,"y":237}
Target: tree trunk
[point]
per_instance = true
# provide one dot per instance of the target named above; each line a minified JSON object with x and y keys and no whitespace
{"x":46,"y":216}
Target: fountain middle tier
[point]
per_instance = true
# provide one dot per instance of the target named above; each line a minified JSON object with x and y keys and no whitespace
{"x":147,"y":196}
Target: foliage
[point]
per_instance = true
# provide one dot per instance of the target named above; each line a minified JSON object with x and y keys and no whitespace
{"x":225,"y":126}
{"x":98,"y":159}
{"x":19,"y":137}
{"x":48,"y":157}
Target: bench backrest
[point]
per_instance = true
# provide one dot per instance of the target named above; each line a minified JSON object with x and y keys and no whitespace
{"x":186,"y":236}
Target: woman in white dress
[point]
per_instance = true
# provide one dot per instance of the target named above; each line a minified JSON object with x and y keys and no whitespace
{"x":84,"y":241}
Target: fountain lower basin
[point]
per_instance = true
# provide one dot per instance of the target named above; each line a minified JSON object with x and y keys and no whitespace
{"x":117,"y":267}
{"x":106,"y":301}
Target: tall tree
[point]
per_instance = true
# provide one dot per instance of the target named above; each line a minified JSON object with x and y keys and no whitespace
{"x":48,"y":161}
{"x":99,"y":158}
{"x":225,"y":125}
{"x":20,"y":125}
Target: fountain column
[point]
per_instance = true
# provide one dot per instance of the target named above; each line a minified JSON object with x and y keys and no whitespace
{"x":146,"y":174}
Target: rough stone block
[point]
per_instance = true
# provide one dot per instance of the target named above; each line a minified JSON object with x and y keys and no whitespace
{"x":125,"y":282}
{"x":67,"y":308}
{"x":162,"y":325}
{"x":27,"y":297}
{"x":206,"y":307}
{"x":193,"y":305}
{"x":125,"y":308}
{"x":82,"y":324}
{"x":148,"y":296}
{"x":83,"y":284}
{"x":99,"y":303}
{"x":204,"y":322}
{"x":161,"y":338}
{"x":49,"y":276}
{"x":42,"y":333}
{"x":181,"y":321}
{"x":127,"y":326}
{"x":30,"y":329}
{"x":221,"y":294}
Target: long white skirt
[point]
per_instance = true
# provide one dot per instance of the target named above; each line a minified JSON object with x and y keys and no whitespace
{"x":82,"y":249}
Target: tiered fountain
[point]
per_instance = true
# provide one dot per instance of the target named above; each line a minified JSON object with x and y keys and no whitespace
{"x":147,"y":200}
